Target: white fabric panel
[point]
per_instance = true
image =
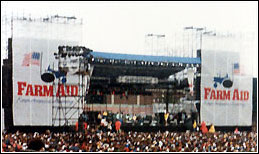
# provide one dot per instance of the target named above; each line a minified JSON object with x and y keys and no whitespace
{"x":37,"y":110}
{"x":222,"y":111}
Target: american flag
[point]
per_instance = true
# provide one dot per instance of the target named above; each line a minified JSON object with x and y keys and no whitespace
{"x":236,"y":68}
{"x":32,"y":58}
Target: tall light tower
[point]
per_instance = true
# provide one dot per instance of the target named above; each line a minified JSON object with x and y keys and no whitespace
{"x":192,"y":29}
{"x":201,"y":31}
{"x":158,"y":37}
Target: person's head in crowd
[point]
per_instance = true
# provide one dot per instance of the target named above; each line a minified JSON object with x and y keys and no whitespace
{"x":36,"y":145}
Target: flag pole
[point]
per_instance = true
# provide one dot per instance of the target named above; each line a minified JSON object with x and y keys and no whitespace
{"x":41,"y":54}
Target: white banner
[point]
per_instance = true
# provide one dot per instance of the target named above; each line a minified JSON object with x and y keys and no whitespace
{"x":226,"y":95}
{"x":190,"y":77}
{"x":137,"y":79}
{"x":36,"y":102}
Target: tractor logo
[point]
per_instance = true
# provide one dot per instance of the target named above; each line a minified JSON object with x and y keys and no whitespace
{"x":225,"y":81}
{"x":50,"y":74}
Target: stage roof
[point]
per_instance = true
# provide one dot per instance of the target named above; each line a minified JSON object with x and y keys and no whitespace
{"x":120,"y":56}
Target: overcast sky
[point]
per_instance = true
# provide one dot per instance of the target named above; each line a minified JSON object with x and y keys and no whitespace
{"x":122,"y":26}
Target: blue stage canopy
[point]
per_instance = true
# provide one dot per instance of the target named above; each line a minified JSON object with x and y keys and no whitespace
{"x":120,"y":56}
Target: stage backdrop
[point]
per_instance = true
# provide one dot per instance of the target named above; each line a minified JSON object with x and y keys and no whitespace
{"x":33,"y":98}
{"x":226,"y":95}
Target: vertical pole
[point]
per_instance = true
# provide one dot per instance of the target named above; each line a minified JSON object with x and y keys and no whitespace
{"x":175,"y":47}
{"x":79,"y":86}
{"x":188,"y":43}
{"x":59,"y":102}
{"x":192,"y":43}
{"x":152,"y":45}
{"x":200,"y":40}
{"x":59,"y":98}
{"x":196,"y":39}
{"x":52,"y":102}
{"x":41,"y":54}
{"x":83,"y":89}
{"x":112,"y":99}
{"x":157,"y":50}
{"x":12,"y":26}
{"x":183,"y":45}
{"x":65,"y":115}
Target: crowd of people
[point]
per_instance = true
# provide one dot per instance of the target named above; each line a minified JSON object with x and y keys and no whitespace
{"x":94,"y":139}
{"x":163,"y":119}
{"x":106,"y":136}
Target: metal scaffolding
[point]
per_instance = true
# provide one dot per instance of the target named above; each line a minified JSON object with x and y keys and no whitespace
{"x":64,"y":113}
